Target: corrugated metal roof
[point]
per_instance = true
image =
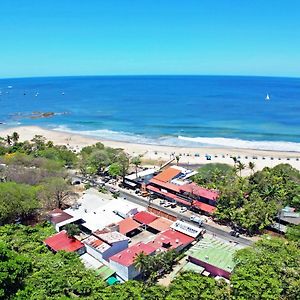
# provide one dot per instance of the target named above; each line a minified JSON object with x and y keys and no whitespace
{"x":144,"y":217}
{"x":127,"y":256}
{"x":194,"y":189}
{"x":160,"y":224}
{"x":57,"y":216}
{"x":167,"y":175}
{"x":205,"y":207}
{"x":128,"y":225}
{"x":61,"y":241}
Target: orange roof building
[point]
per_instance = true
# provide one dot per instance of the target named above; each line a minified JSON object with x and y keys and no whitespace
{"x":167,"y":175}
{"x":160,"y":224}
{"x":128,"y":226}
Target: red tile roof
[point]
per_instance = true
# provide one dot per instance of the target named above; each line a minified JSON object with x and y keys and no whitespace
{"x":197,"y":190}
{"x":160,"y":224}
{"x":61,"y":241}
{"x":144,"y":217}
{"x":167,"y":175}
{"x":205,"y":207}
{"x":166,"y":185}
{"x":57,"y":216}
{"x":127,"y":256}
{"x":128,"y":225}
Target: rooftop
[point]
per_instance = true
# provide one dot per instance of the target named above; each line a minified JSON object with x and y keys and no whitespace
{"x":215,"y":252}
{"x":96,"y":243}
{"x":141,"y":174}
{"x":204,"y":207}
{"x":90,"y":262}
{"x":160,"y":224}
{"x":170,"y":186}
{"x":110,"y":237}
{"x":105,"y":272}
{"x":57,"y":216}
{"x":128,"y":225}
{"x":170,"y":239}
{"x":127,"y":256}
{"x":195,"y":189}
{"x":144,"y":217}
{"x":167,"y":174}
{"x":186,"y":228}
{"x":61,"y":241}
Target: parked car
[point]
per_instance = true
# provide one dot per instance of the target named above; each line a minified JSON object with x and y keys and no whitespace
{"x":162,"y":202}
{"x":168,"y":204}
{"x":196,"y":219}
{"x":234,"y":233}
{"x":183,"y":209}
{"x":173,"y":205}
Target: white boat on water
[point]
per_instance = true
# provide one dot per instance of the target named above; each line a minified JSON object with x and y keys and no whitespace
{"x":267,"y":97}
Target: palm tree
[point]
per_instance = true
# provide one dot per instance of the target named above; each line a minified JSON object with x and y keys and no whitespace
{"x":141,"y":263}
{"x":8,"y":140}
{"x":15,"y":137}
{"x":234,"y":160}
{"x":240,"y":167}
{"x":251,"y":166}
{"x":136,"y":161}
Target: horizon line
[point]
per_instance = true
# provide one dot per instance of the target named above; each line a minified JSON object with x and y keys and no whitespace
{"x":151,"y":75}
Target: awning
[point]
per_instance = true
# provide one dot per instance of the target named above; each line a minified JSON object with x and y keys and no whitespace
{"x":112,"y":280}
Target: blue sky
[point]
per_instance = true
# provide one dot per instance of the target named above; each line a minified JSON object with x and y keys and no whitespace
{"x":95,"y":37}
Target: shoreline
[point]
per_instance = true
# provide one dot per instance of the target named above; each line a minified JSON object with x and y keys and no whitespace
{"x":159,"y":153}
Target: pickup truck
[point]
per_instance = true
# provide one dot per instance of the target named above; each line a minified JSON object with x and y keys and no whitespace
{"x":196,"y":219}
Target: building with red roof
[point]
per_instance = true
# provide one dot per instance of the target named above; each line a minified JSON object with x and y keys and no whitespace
{"x":188,"y":194}
{"x":123,"y":262}
{"x":144,"y":217}
{"x":129,"y":227}
{"x":160,"y":224}
{"x":200,"y":193}
{"x":171,"y":239}
{"x":167,"y":174}
{"x":61,"y":241}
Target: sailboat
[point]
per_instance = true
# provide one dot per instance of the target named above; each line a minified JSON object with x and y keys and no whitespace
{"x":267,"y":97}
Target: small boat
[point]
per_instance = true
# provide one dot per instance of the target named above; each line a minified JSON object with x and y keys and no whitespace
{"x":267,"y":97}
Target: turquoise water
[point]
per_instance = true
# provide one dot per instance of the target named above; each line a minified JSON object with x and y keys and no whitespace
{"x":172,"y":110}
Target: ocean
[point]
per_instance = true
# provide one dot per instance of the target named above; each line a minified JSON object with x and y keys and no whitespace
{"x":218,"y":111}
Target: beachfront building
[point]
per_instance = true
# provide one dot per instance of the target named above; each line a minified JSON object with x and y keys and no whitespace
{"x":173,"y":185}
{"x":123,"y":262}
{"x":62,"y":242}
{"x":102,"y":245}
{"x":136,"y":180}
{"x":214,"y":255}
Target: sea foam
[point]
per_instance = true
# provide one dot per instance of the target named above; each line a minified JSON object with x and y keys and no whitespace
{"x":243,"y":144}
{"x":183,"y":141}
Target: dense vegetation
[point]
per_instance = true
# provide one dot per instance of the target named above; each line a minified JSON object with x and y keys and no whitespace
{"x":252,"y":202}
{"x":34,"y":179}
{"x":28,"y":270}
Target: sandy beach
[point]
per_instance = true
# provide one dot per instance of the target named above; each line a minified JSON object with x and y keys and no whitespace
{"x":157,"y":154}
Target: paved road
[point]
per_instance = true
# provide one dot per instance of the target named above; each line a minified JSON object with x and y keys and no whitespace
{"x":209,"y":228}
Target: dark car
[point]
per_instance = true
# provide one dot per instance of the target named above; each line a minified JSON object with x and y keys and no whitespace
{"x":234,"y":233}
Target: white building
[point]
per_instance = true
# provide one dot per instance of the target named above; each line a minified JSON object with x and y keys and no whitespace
{"x":104,"y":245}
{"x":123,"y":262}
